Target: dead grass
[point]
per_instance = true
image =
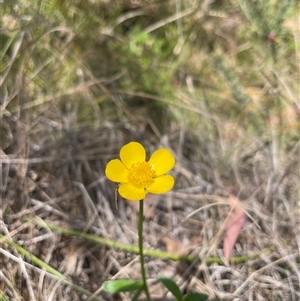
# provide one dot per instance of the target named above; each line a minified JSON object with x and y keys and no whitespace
{"x":231,"y":122}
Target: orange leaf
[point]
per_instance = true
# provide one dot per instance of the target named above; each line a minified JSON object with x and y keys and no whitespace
{"x":234,"y":226}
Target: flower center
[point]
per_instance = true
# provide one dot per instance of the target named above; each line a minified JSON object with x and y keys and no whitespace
{"x":141,"y":174}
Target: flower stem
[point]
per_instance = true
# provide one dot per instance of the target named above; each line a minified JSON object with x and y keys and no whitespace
{"x":140,"y":232}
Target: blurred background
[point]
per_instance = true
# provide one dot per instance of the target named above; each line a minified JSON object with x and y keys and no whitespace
{"x":216,"y":82}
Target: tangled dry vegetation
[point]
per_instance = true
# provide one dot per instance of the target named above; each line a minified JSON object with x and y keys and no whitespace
{"x":79,"y":81}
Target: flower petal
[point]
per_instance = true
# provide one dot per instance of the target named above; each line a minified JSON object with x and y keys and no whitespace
{"x":161,"y":184}
{"x":131,"y":153}
{"x":131,"y":193}
{"x":162,"y":161}
{"x":116,"y":171}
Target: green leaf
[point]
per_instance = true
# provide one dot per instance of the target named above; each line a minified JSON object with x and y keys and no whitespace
{"x":122,"y":285}
{"x":171,"y":286}
{"x":3,"y":297}
{"x":195,"y":297}
{"x":137,"y":294}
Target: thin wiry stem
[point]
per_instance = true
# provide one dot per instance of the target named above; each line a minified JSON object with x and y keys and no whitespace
{"x":140,"y":232}
{"x":154,"y":253}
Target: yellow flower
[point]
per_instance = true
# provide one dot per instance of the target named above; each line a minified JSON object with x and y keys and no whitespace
{"x":136,"y":176}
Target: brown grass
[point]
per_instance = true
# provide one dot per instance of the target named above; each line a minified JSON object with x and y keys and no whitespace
{"x":62,"y":120}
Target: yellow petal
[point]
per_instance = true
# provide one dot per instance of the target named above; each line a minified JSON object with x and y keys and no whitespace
{"x":131,"y":153}
{"x":161,"y":184}
{"x":131,"y":193}
{"x":116,"y":171}
{"x":162,"y":161}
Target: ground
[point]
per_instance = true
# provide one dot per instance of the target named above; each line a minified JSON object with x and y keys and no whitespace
{"x":215,"y":83}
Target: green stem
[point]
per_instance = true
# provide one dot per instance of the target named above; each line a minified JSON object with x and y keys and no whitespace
{"x":150,"y":252}
{"x":140,"y":231}
{"x":44,"y":266}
